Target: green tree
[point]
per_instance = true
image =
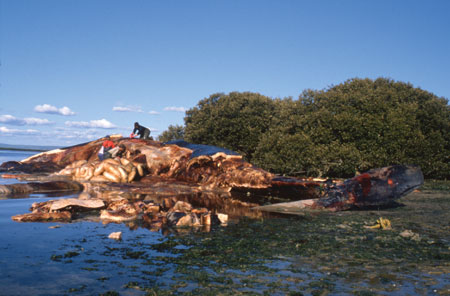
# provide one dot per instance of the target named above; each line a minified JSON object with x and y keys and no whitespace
{"x":235,"y":121}
{"x":354,"y":126}
{"x":358,"y":125}
{"x":291,"y":148}
{"x":173,"y":132}
{"x":388,"y":122}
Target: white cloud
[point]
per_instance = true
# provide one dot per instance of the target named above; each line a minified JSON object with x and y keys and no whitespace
{"x":153,"y":112}
{"x":176,"y":109}
{"x":76,"y":134}
{"x":5,"y":130}
{"x":127,"y":109}
{"x":37,"y":121}
{"x":77,"y":123}
{"x":49,"y":109}
{"x":9,"y":119}
{"x":58,"y":136}
{"x":121,"y":109}
{"x":65,"y":111}
{"x":101,"y":123}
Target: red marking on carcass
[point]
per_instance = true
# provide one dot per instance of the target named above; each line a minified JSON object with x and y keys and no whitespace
{"x":390,"y":182}
{"x":364,"y":181}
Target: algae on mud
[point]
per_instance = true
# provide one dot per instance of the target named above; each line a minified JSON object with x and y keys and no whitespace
{"x":315,"y":254}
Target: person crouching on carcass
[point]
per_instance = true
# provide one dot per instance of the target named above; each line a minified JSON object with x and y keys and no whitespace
{"x":110,"y":150}
{"x":116,"y":152}
{"x":142,"y":131}
{"x":106,"y":147}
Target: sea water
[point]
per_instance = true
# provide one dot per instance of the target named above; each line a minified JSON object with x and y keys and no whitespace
{"x":13,"y":155}
{"x":50,"y":258}
{"x":16,"y":155}
{"x":79,"y":259}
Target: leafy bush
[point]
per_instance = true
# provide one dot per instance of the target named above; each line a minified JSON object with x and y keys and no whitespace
{"x":354,"y":126}
{"x":235,"y":121}
{"x":174,"y":132}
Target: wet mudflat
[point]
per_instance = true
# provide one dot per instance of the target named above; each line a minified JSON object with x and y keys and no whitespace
{"x":318,"y":253}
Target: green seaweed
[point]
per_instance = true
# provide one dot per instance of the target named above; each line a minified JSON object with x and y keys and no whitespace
{"x":320,"y":253}
{"x":71,"y":254}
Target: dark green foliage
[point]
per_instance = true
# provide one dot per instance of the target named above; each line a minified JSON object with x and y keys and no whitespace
{"x":387,"y":122}
{"x":174,"y":132}
{"x":354,"y":126}
{"x":436,"y":185}
{"x":358,"y":125}
{"x":235,"y":121}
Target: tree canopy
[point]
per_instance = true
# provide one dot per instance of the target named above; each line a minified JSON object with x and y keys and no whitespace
{"x":354,"y":126}
{"x":235,"y":121}
{"x":173,"y":132}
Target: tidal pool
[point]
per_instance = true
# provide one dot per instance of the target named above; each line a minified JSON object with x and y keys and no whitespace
{"x":318,"y":253}
{"x":315,"y":254}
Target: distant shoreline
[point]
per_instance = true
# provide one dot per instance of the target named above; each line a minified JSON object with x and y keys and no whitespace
{"x":24,"y":149}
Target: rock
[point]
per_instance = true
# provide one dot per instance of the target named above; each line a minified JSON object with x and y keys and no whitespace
{"x":223,"y":218}
{"x":91,"y":204}
{"x":118,"y":216}
{"x":181,"y":206}
{"x":115,"y":235}
{"x":343,"y":226}
{"x":184,"y":221}
{"x":64,"y":216}
{"x":42,"y":207}
{"x":173,"y":217}
{"x":188,"y":220}
{"x":168,"y":203}
{"x":411,"y":235}
{"x":200,"y":211}
{"x":406,"y":233}
{"x":206,"y":219}
{"x":120,"y":211}
{"x":195,"y":220}
{"x":152,"y":208}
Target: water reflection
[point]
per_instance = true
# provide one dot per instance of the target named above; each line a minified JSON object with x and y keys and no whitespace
{"x":214,"y":203}
{"x":160,"y":193}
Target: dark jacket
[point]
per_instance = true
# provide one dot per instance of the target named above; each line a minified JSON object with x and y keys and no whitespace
{"x":140,"y":130}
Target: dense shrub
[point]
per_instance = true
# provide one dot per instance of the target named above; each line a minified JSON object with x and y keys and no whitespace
{"x":354,"y":126}
{"x":235,"y":121}
{"x":174,"y":132}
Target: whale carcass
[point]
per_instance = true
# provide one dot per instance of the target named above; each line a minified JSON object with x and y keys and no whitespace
{"x":195,"y":168}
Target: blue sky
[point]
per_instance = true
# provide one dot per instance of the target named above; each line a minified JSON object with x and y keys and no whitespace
{"x":75,"y":70}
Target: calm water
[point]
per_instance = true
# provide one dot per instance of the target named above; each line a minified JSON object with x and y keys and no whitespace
{"x":9,"y":155}
{"x":79,"y":259}
{"x":27,"y":249}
